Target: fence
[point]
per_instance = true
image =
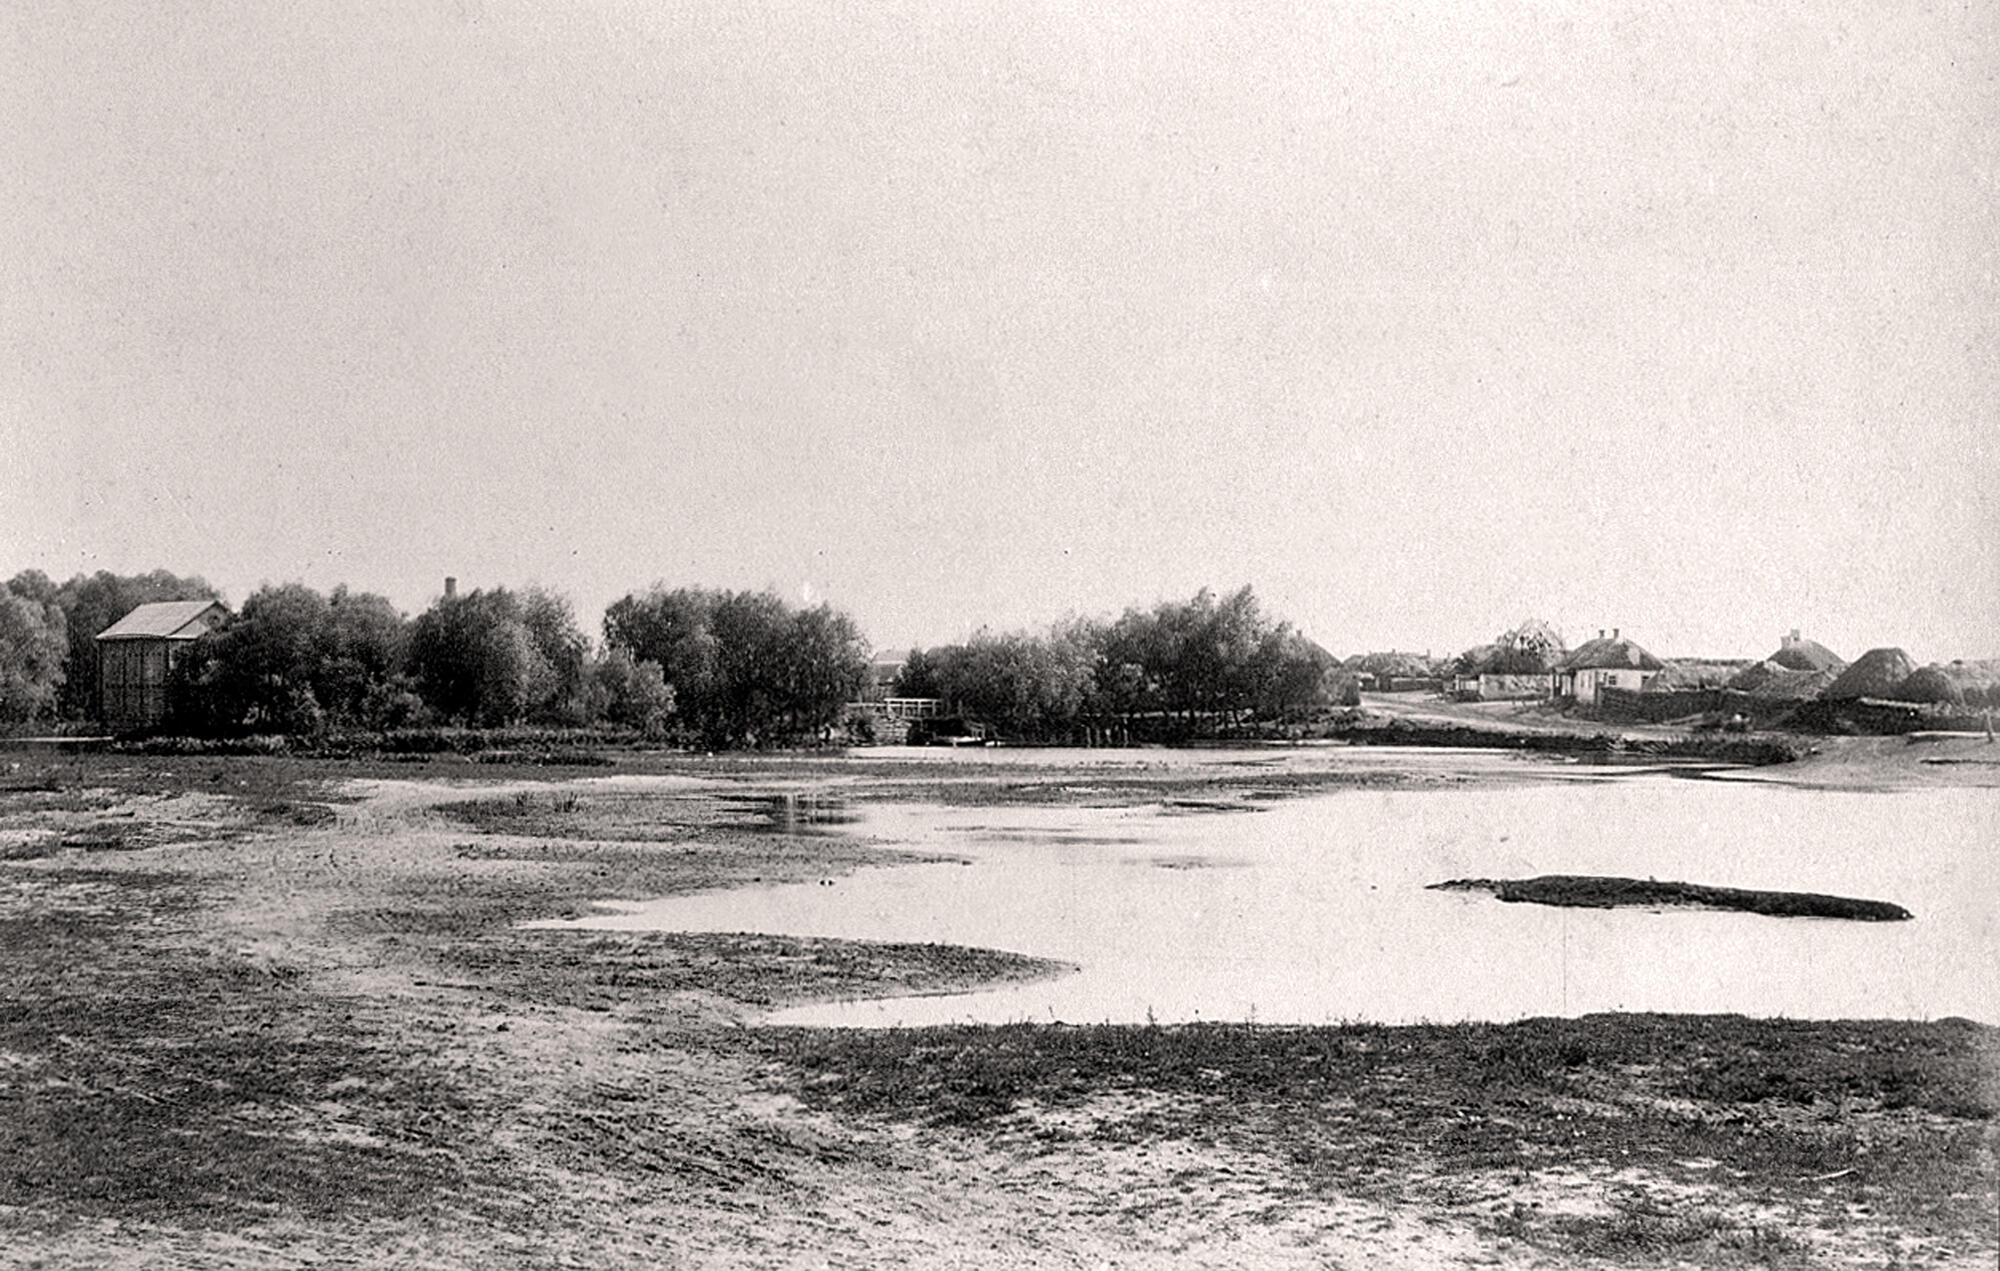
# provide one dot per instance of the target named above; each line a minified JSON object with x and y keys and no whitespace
{"x":1622,"y":705}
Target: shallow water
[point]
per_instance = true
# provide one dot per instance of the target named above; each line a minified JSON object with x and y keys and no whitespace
{"x":1315,"y":909}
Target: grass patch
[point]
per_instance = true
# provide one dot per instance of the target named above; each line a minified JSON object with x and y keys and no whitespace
{"x":1898,"y":1113}
{"x":1642,"y":1227}
{"x":144,"y":1076}
{"x":605,"y":970}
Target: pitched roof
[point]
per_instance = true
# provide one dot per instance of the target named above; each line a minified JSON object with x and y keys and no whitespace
{"x":1611,"y":653}
{"x":163,"y":619}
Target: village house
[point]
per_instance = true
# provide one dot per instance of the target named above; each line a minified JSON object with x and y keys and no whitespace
{"x":136,"y":656}
{"x":1606,"y":662}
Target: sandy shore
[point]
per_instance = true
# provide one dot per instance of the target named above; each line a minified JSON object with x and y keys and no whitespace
{"x":268,"y":1013}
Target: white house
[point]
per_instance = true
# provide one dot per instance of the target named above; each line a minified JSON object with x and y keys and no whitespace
{"x":1606,"y":662}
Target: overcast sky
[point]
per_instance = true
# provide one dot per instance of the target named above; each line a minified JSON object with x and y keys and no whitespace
{"x":1422,"y":319}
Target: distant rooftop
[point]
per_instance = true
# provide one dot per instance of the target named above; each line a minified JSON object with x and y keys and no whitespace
{"x":162,"y":619}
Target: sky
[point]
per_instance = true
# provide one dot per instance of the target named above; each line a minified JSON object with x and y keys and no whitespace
{"x":1419,"y":319}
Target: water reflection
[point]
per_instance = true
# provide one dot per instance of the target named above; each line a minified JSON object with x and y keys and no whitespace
{"x":1315,"y":909}
{"x":796,"y":812}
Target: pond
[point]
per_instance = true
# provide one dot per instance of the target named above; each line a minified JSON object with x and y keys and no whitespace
{"x":1315,"y":909}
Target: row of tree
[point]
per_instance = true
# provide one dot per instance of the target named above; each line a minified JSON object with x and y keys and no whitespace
{"x":1182,"y":668}
{"x":294,"y":661}
{"x":717,"y":668}
{"x":710,"y":667}
{"x":745,"y":667}
{"x":713,"y":668}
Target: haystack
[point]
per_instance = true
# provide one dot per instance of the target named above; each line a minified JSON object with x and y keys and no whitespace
{"x":1930,"y":684}
{"x":1876,"y":673}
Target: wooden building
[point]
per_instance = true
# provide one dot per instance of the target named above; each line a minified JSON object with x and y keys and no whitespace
{"x":137,"y":654}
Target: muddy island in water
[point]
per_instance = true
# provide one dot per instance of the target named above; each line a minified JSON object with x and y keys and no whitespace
{"x":1583,"y":891}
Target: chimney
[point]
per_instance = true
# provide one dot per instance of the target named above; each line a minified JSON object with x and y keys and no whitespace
{"x":1791,"y":638}
{"x":1600,"y":633}
{"x":1614,"y":633}
{"x":450,"y":587}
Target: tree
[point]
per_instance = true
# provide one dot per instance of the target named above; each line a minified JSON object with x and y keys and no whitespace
{"x":36,"y":586}
{"x":265,"y":660}
{"x":1027,"y":686}
{"x":1211,"y":661}
{"x":824,"y":667}
{"x":1294,"y":675}
{"x":745,"y":667}
{"x":917,"y":677}
{"x":361,"y":647}
{"x":474,"y":660}
{"x":294,"y":661}
{"x":1533,"y":648}
{"x":557,"y":693}
{"x":34,"y":643}
{"x":750,"y":701}
{"x":629,"y":692}
{"x":671,"y":630}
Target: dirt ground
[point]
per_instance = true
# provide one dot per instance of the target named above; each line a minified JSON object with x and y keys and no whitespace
{"x":1891,"y":763}
{"x":277,"y":1013}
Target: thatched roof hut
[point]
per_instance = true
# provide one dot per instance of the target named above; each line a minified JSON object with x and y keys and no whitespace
{"x":1798,"y":654}
{"x":1876,"y":673}
{"x":1612,"y":652}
